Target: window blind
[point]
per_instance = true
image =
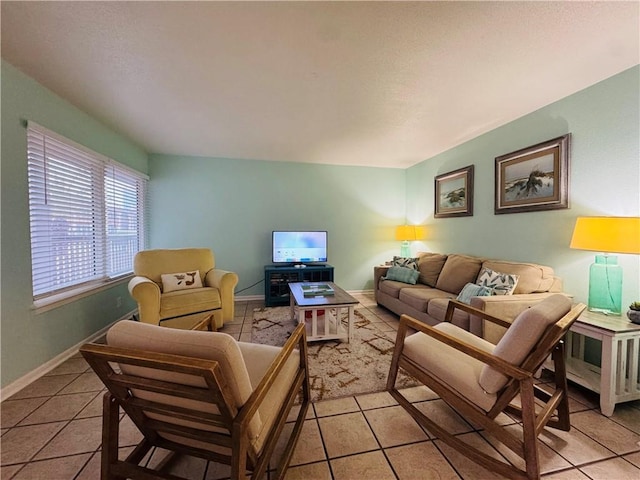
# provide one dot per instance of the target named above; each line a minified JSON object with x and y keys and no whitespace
{"x":86,"y":214}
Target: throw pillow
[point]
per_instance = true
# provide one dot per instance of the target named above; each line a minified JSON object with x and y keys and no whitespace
{"x":500,"y":283}
{"x":408,"y":262}
{"x":180,"y":281}
{"x":402,"y":274}
{"x":472,"y":290}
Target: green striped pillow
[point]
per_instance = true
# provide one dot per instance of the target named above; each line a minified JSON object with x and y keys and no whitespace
{"x":403,"y":274}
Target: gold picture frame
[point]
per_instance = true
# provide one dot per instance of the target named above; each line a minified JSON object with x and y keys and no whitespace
{"x":454,"y":193}
{"x":533,"y":178}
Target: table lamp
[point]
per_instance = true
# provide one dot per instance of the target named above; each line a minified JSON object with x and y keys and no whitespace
{"x":406,"y":234}
{"x":607,"y":235}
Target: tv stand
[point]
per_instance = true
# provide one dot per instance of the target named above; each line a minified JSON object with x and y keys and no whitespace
{"x":277,"y":279}
{"x":300,"y":265}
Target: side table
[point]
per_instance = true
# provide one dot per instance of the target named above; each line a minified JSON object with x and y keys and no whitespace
{"x":618,"y":378}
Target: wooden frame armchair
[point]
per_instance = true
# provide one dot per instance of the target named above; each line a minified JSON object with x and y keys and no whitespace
{"x":480,"y":380}
{"x":198,"y":393}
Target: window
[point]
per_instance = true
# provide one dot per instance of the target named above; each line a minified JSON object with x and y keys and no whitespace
{"x":86,"y":214}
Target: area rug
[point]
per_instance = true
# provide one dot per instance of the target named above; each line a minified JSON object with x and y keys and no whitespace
{"x":336,"y":368}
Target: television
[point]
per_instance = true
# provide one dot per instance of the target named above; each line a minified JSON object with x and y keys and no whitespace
{"x":299,"y":247}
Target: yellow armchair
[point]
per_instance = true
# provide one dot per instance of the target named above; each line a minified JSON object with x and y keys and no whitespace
{"x":185,"y":307}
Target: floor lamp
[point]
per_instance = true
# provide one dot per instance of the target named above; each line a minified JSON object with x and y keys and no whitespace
{"x":606,"y":235}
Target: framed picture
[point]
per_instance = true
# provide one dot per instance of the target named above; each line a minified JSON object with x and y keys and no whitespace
{"x":534,"y":178}
{"x":454,"y":193}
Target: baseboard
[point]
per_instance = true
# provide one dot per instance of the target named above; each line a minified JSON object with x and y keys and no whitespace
{"x":248,"y":298}
{"x":45,"y":368}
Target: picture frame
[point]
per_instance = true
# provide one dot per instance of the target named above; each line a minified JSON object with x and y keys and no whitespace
{"x":454,"y":193}
{"x":534,"y":178}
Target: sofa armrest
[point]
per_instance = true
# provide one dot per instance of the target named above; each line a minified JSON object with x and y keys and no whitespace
{"x":506,"y":307}
{"x":147,"y":294}
{"x":379,"y":271}
{"x":226,"y":282}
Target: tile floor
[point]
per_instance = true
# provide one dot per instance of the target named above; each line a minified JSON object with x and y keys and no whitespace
{"x":51,"y":430}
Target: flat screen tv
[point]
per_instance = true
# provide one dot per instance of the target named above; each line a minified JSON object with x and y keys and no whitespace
{"x":299,"y":247}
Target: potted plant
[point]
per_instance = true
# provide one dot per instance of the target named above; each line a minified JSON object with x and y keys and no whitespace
{"x":634,"y":312}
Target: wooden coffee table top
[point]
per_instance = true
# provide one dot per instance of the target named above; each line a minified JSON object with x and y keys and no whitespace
{"x":340,"y":297}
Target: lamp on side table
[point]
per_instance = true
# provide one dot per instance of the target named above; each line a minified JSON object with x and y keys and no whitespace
{"x":607,"y":235}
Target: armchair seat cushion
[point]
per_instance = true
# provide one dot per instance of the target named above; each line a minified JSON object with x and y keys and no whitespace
{"x":438,"y":357}
{"x":185,"y":302}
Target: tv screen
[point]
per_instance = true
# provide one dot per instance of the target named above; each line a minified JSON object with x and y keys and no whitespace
{"x":299,"y":247}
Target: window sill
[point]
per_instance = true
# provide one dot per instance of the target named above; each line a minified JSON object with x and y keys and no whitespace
{"x":54,"y":301}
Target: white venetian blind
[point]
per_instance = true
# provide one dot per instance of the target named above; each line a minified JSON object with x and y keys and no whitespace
{"x":86,"y":214}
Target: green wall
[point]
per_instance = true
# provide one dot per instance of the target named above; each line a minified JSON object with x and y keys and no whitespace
{"x":30,"y":339}
{"x":604,"y":180}
{"x":231,"y":206}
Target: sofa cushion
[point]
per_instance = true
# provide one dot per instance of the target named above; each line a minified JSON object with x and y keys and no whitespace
{"x":418,"y":298}
{"x":437,"y":309}
{"x":392,"y":288}
{"x":533,"y":278}
{"x":458,"y":270}
{"x":522,"y":336}
{"x":402,"y":274}
{"x":497,"y":282}
{"x":430,"y":266}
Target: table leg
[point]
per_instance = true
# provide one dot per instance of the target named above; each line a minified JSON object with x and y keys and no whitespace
{"x":608,"y":375}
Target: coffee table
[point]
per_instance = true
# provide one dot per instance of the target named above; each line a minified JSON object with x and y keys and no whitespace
{"x":323,"y":322}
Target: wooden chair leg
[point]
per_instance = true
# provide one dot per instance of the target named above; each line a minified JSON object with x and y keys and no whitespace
{"x":110,"y":436}
{"x":558,"y":356}
{"x":530,"y":436}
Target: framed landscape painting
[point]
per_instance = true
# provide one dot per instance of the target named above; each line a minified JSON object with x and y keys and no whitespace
{"x":534,"y":178}
{"x":454,"y":193}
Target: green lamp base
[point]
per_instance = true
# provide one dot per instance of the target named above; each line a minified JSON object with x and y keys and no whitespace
{"x":405,"y":250}
{"x":605,"y":285}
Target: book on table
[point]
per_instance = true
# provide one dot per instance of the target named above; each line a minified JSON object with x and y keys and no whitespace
{"x":317,"y":290}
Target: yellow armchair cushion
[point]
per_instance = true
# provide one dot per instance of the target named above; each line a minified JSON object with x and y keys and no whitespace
{"x":185,"y":302}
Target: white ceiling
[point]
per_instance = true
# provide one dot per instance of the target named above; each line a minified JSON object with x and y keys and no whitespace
{"x":384,"y":84}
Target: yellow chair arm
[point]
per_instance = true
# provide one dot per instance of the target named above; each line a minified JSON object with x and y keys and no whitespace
{"x":226,"y":282}
{"x":147,"y":293}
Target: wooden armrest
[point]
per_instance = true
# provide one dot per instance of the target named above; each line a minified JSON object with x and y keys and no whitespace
{"x":453,"y":304}
{"x":298,"y":337}
{"x":484,"y":357}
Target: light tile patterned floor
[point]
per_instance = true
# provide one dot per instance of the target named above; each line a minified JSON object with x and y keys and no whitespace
{"x":51,"y":430}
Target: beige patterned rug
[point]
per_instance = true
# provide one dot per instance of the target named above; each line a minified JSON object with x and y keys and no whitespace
{"x":336,"y":369}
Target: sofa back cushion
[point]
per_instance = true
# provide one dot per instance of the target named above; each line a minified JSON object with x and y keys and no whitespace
{"x":458,"y":270}
{"x":430,"y":265}
{"x":153,"y":263}
{"x":532,"y":278}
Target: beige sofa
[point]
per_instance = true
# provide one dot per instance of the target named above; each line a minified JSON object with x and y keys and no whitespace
{"x":442,"y":277}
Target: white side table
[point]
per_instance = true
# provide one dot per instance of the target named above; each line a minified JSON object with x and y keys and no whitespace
{"x":618,"y":378}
